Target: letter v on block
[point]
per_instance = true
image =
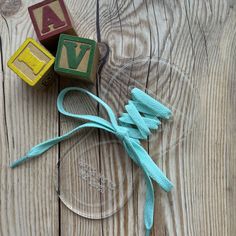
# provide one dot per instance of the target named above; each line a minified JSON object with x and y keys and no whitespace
{"x":73,"y":59}
{"x":77,"y":58}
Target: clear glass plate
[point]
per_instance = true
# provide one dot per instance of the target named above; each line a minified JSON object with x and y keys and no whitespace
{"x":95,"y":177}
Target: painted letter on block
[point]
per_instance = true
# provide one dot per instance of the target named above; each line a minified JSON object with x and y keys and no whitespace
{"x":50,"y":18}
{"x":73,"y":59}
{"x":31,"y":61}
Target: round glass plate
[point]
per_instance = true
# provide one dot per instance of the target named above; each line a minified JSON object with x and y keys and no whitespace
{"x":94,"y":176}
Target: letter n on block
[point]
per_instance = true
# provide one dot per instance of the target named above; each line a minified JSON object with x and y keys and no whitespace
{"x":33,"y":63}
{"x":50,"y":18}
{"x":77,"y":58}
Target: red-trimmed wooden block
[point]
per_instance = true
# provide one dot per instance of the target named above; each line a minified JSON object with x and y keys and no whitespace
{"x":50,"y":18}
{"x":77,"y":58}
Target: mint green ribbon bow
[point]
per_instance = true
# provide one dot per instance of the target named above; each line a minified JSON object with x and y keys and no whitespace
{"x":142,"y":115}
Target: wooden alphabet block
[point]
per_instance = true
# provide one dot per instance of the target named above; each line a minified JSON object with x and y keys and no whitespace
{"x":50,"y":18}
{"x":77,"y":58}
{"x":33,"y":63}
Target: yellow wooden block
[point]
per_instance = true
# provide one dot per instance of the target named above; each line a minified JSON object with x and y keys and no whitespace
{"x":33,"y":63}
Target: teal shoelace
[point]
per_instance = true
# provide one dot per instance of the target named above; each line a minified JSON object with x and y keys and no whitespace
{"x":142,"y":114}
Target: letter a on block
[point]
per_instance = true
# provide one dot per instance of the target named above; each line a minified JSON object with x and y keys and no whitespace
{"x":73,"y":59}
{"x":50,"y":18}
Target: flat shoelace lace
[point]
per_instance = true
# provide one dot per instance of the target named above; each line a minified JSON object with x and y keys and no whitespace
{"x":142,"y":113}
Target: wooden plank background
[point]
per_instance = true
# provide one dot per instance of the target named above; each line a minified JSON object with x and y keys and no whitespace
{"x":199,"y":37}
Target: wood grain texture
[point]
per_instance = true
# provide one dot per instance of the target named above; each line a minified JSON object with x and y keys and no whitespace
{"x":10,"y":7}
{"x":29,"y":204}
{"x":72,"y":224}
{"x":198,"y":37}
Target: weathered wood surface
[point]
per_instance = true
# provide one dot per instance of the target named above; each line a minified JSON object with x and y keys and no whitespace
{"x":198,"y":37}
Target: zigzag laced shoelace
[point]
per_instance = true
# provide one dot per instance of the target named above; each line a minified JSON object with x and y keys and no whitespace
{"x":142,"y":114}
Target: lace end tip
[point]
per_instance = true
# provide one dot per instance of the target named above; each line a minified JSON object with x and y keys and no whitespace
{"x":148,"y":232}
{"x":170,"y":187}
{"x":17,"y":162}
{"x":167,"y":186}
{"x":13,"y":165}
{"x":170,"y":116}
